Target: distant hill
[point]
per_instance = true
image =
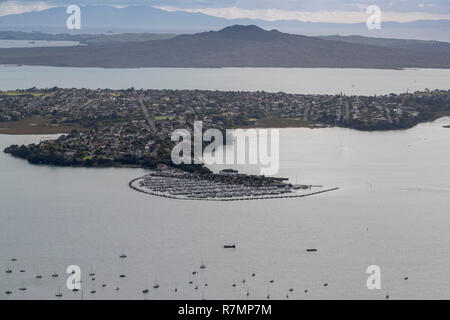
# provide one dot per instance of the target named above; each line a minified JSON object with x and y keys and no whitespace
{"x":235,"y":46}
{"x":101,"y":19}
{"x":107,"y":18}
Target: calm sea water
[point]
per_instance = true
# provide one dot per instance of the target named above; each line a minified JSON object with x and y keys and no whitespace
{"x":35,"y":43}
{"x":295,"y":80}
{"x":391,"y":211}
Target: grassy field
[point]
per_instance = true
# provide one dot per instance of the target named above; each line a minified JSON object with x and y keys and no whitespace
{"x":164,"y":117}
{"x":36,"y":125}
{"x":20,"y":93}
{"x":282,"y":123}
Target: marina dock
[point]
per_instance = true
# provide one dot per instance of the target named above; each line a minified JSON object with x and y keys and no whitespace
{"x":181,"y":186}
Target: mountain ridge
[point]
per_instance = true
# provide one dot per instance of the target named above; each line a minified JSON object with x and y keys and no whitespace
{"x":100,"y":19}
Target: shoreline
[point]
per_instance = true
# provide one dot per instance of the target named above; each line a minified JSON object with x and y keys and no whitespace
{"x":16,"y":128}
{"x":204,"y":67}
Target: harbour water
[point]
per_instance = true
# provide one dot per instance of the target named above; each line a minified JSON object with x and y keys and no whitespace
{"x":391,"y":210}
{"x":35,"y":43}
{"x":293,"y":80}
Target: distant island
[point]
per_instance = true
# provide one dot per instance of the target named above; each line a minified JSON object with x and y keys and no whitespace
{"x":235,"y":46}
{"x":108,"y":128}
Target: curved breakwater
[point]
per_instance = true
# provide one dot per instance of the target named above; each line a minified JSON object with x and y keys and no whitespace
{"x":133,"y":185}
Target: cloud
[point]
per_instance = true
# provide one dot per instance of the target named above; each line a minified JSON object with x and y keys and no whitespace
{"x":15,"y":7}
{"x":309,"y":16}
{"x":434,"y":6}
{"x":344,"y":11}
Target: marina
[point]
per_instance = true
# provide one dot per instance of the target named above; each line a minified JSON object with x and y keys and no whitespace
{"x":181,"y":185}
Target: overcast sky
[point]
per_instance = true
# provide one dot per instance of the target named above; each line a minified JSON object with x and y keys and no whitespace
{"x":346,"y":11}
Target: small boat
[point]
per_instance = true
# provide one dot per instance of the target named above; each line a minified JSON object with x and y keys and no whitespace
{"x":311,"y":250}
{"x":8,"y":270}
{"x":8,"y":292}
{"x":325,"y":284}
{"x":122,"y":276}
{"x":75,"y":290}
{"x":145,"y":291}
{"x":202,"y":266}
{"x":176,"y":290}
{"x":93,"y":291}
{"x":253,"y":274}
{"x":38,"y":276}
{"x":123,"y":255}
{"x":229,"y":246}
{"x":23,"y":288}
{"x":103,"y":285}
{"x":13,"y":259}
{"x":22,"y":271}
{"x":55,"y":275}
{"x":291,"y":290}
{"x":92,"y":273}
{"x":156,"y":285}
{"x":272,"y":281}
{"x":59,"y":294}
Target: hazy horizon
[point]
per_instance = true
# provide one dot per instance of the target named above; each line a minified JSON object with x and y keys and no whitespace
{"x":420,"y":21}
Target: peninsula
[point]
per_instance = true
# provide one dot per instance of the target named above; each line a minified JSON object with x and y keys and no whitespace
{"x":133,"y":127}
